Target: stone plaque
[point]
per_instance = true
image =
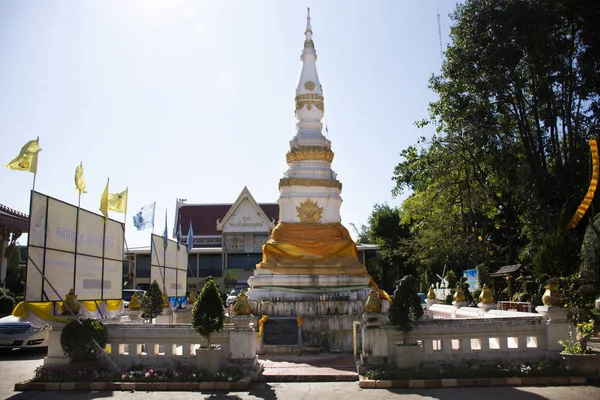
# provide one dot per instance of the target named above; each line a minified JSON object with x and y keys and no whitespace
{"x":280,"y":332}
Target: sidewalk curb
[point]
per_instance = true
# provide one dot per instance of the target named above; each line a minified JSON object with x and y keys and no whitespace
{"x":242,"y":384}
{"x":446,"y":383}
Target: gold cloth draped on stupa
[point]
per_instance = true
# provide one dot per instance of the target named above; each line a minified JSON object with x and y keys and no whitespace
{"x":311,"y":249}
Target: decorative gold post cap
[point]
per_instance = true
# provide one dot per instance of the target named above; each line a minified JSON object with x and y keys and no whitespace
{"x":135,"y":303}
{"x":459,"y":295}
{"x":431,"y":294}
{"x":486,"y":295}
{"x":241,"y":306}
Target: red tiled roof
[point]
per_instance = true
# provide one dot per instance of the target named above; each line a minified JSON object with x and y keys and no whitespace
{"x":13,"y":219}
{"x":204,"y":217}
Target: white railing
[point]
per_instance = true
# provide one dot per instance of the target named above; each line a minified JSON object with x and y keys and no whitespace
{"x":456,"y":335}
{"x":158,"y":345}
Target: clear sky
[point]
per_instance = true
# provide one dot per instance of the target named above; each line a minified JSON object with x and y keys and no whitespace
{"x":194,"y":99}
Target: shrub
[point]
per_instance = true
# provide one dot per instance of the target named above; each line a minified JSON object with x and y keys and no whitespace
{"x":152,"y":302}
{"x":84,"y":339}
{"x":208,"y":314}
{"x":7,"y":304}
{"x":406,"y":308}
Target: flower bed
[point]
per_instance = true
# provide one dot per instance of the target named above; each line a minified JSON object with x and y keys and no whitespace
{"x":136,"y":378}
{"x":471,"y":370}
{"x":548,"y":372}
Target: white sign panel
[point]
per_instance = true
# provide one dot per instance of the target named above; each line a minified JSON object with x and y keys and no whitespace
{"x":70,"y":248}
{"x":58,"y":270}
{"x":60,"y":232}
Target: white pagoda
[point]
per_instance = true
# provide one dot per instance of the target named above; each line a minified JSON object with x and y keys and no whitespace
{"x":309,"y":252}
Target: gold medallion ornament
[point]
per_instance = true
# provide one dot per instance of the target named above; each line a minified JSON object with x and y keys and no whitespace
{"x":309,"y":85}
{"x":309,"y":212}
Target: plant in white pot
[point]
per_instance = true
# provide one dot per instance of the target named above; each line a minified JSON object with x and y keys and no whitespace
{"x":208,"y":316}
{"x":577,"y":356}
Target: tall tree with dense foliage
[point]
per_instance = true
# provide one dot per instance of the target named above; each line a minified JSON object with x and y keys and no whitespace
{"x":518,"y":101}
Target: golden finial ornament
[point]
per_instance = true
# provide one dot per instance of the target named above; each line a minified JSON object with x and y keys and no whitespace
{"x":552,"y":297}
{"x":459,"y":295}
{"x":165,"y":301}
{"x":431,"y":294}
{"x":135,"y":302}
{"x":373,"y":303}
{"x":486,"y":295}
{"x":241,"y":306}
{"x":191,"y":298}
{"x":70,"y":303}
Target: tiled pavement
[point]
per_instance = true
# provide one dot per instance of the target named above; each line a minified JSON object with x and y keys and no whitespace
{"x":313,"y":367}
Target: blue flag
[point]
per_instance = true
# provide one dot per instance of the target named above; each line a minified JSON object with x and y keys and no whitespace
{"x":166,"y":234}
{"x":144,"y":219}
{"x":179,"y":237}
{"x":190,"y":239}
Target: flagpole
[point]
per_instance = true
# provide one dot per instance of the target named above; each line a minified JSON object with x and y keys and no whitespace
{"x":124,"y":234}
{"x":153,"y":215}
{"x":36,"y":160}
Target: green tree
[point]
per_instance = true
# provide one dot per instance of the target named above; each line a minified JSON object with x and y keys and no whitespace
{"x":386,"y":229}
{"x":152,"y":302}
{"x":518,"y":98}
{"x":208,"y":314}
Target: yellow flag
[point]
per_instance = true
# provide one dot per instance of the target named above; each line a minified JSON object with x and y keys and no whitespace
{"x":27,"y":158}
{"x":79,"y":181}
{"x":117,"y":202}
{"x":104,"y":201}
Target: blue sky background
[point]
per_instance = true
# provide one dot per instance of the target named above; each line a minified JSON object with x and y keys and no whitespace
{"x":195,"y":100}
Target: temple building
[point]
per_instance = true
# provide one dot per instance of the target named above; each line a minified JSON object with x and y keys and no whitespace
{"x":12,"y":225}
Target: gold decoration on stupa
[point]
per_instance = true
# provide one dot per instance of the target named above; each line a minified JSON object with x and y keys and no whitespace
{"x":486,"y":295}
{"x":309,"y":212}
{"x":309,"y":85}
{"x":459,"y":295}
{"x":310,"y":100}
{"x":310,"y":182}
{"x":241,"y":306}
{"x":302,"y":153}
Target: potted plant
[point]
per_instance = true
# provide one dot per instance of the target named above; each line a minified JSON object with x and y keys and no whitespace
{"x":84,"y":340}
{"x":207,"y":317}
{"x":152,"y":302}
{"x":580,"y":360}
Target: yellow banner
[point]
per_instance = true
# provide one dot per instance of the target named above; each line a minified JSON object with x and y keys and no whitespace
{"x":587,"y":200}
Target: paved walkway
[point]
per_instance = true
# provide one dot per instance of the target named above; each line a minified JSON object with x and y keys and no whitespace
{"x":308,"y":368}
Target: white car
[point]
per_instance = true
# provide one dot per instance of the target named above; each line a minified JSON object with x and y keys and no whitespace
{"x":15,"y":333}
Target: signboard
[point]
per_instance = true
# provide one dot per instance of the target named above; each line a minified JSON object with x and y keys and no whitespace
{"x":280,"y":331}
{"x":168,"y":268}
{"x":72,"y":248}
{"x":472,"y":279}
